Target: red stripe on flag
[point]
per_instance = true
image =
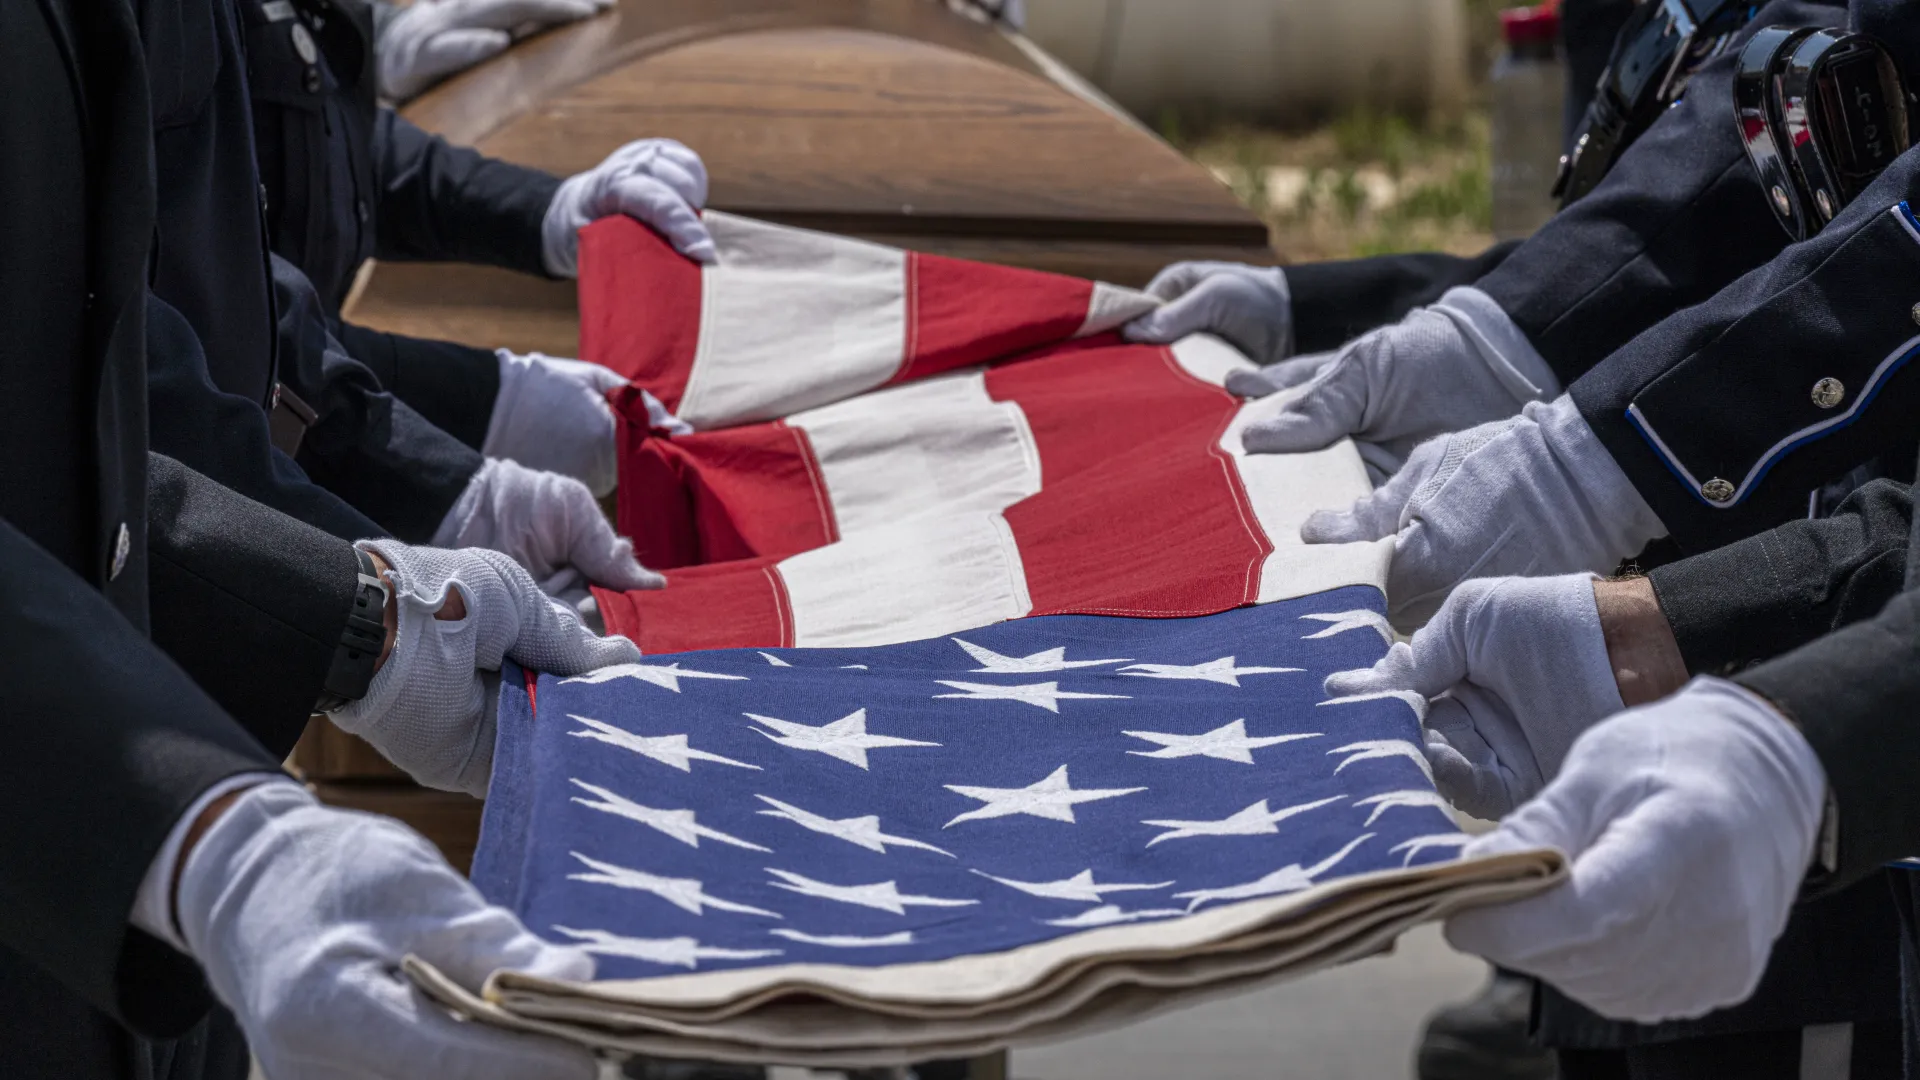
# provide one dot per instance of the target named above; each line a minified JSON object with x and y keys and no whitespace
{"x":639,"y":306}
{"x":715,"y":496}
{"x":731,"y":605}
{"x":961,"y":313}
{"x":1150,"y":517}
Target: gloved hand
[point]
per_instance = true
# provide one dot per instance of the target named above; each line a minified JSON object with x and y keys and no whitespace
{"x":1247,"y":306}
{"x":1441,"y":369}
{"x":550,"y":524}
{"x":301,"y":913}
{"x":1534,"y":495}
{"x":552,"y":415}
{"x":1523,"y":665}
{"x":428,"y":40}
{"x":431,"y":708}
{"x":658,"y":182}
{"x":1689,"y":825}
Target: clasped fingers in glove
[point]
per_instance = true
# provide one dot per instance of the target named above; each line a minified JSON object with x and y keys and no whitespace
{"x":550,"y":524}
{"x":1534,"y":495}
{"x":658,"y":182}
{"x":1442,"y":368}
{"x":1688,"y":826}
{"x":552,"y":415}
{"x":300,"y":914}
{"x":432,"y":707}
{"x":1514,"y":670}
{"x":1248,"y":306}
{"x":428,"y":40}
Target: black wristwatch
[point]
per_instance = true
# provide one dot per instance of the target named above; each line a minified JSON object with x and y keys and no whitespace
{"x":360,"y":641}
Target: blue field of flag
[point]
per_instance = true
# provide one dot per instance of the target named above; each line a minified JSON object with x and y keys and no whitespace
{"x":961,"y":795}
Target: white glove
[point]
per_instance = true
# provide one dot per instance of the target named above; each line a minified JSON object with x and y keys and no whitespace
{"x":657,"y":182}
{"x":1524,"y":667}
{"x":1247,"y":306}
{"x":428,"y":40}
{"x":300,"y":914}
{"x":1442,"y":368}
{"x":552,"y":415}
{"x":548,"y":523}
{"x":432,"y":709}
{"x":1534,"y":495}
{"x":1689,"y":824}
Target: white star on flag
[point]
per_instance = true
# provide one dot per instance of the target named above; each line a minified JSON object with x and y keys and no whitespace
{"x":1394,"y":799}
{"x":1227,"y":743}
{"x":1339,"y":622}
{"x":864,"y":831}
{"x":665,"y":749}
{"x":1374,"y":749}
{"x":845,"y":738}
{"x":1052,"y":798}
{"x":1415,"y":700}
{"x":687,"y":894}
{"x":1255,"y":820}
{"x":881,"y":895}
{"x":774,"y":661}
{"x":1221,"y":671}
{"x":1421,"y":843}
{"x":683,"y":952}
{"x":1046,"y":695}
{"x":1054,"y":659}
{"x":1111,"y":914}
{"x":1080,"y":886}
{"x":667,"y":675}
{"x":679,"y":824}
{"x":1284,"y":880}
{"x":844,"y":941}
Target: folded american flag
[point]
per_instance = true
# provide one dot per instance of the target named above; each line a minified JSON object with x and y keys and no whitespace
{"x":846,"y":856}
{"x":939,"y":444}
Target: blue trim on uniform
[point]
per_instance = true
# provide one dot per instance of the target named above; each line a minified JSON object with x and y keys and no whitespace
{"x":1908,"y":211}
{"x":1672,"y":465}
{"x":1859,"y":409}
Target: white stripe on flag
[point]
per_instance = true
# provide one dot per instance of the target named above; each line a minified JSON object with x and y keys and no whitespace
{"x":791,"y":319}
{"x":1284,"y":489}
{"x":961,"y":571}
{"x":1112,"y":305}
{"x":937,"y":444}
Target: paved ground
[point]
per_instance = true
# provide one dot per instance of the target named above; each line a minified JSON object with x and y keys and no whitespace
{"x":1359,"y":1022}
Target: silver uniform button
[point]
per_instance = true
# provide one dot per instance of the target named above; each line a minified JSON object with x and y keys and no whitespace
{"x":1828,"y":392}
{"x":1915,"y":313}
{"x":1717,"y":490}
{"x":122,"y":545}
{"x":303,"y":44}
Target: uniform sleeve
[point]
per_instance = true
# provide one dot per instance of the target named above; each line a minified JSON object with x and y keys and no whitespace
{"x":1725,"y":415}
{"x":1738,"y":605}
{"x":225,"y":437}
{"x":365,"y":445}
{"x":452,"y":386}
{"x":1335,"y":302}
{"x":250,"y":602}
{"x":1856,"y":696}
{"x":1679,"y":216}
{"x":445,"y":203}
{"x":108,"y":743}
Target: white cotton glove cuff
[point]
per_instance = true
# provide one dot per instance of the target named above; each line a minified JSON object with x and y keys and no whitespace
{"x":548,"y":523}
{"x":1689,"y":825}
{"x":153,"y":903}
{"x":1442,"y":368}
{"x":552,"y":414}
{"x":432,"y":709}
{"x":1517,"y":669}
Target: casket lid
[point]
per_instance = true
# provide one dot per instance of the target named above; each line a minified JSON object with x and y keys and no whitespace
{"x":861,"y":116}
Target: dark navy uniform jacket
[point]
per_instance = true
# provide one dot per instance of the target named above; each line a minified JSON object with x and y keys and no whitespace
{"x":348,"y":180}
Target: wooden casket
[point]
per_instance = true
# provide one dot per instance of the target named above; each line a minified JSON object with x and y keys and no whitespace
{"x":893,"y":120}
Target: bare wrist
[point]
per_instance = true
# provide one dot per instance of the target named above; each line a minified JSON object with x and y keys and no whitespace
{"x":1641,"y":648}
